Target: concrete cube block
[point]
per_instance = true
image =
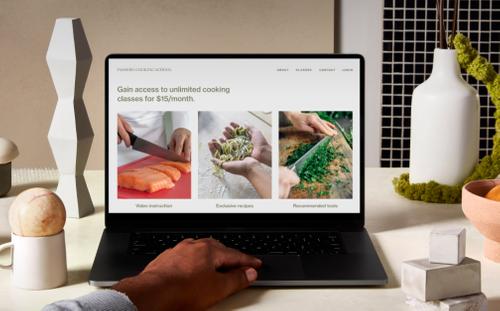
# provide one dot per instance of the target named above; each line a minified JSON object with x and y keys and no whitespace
{"x":429,"y":281}
{"x":477,"y":302}
{"x":447,"y":246}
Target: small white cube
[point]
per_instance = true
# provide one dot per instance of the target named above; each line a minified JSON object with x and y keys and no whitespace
{"x":447,"y":246}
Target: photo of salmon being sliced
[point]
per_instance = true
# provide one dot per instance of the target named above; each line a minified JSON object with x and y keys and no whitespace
{"x":170,"y":171}
{"x":126,"y":179}
{"x":184,"y":167}
{"x":144,"y":179}
{"x":147,"y":178}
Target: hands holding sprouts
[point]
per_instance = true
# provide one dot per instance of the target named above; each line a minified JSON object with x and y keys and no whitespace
{"x":243,"y":151}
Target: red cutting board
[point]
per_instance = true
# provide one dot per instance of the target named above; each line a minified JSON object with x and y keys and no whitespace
{"x":182,"y":189}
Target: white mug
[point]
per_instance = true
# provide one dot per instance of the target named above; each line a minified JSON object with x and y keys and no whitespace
{"x":37,"y":262}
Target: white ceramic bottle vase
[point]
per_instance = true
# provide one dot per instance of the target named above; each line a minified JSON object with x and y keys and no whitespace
{"x":444,"y":124}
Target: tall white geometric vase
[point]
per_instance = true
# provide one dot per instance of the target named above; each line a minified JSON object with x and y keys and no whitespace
{"x":70,"y":134}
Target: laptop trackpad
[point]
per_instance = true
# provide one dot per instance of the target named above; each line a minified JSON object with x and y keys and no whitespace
{"x":281,"y":267}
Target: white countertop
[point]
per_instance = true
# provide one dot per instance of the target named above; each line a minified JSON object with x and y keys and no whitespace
{"x":399,"y":229}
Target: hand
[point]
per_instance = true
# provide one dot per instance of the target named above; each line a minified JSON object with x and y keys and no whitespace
{"x":123,"y":127}
{"x":287,"y":179}
{"x":310,"y":122}
{"x":249,"y":168}
{"x":261,"y":148}
{"x":180,"y":142}
{"x":194,"y":275}
{"x":241,"y":167}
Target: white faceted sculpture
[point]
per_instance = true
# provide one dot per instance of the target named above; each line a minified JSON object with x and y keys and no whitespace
{"x":70,"y":135}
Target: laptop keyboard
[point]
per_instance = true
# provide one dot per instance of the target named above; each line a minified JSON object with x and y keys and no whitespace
{"x":257,"y":243}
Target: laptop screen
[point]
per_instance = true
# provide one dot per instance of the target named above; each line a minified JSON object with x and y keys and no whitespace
{"x":233,"y":135}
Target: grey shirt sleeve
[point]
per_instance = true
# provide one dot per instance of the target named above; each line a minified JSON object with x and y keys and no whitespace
{"x":101,"y":300}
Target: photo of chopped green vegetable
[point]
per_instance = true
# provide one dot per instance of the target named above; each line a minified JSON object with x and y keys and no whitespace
{"x":325,"y":166}
{"x":298,"y":153}
{"x":317,"y":165}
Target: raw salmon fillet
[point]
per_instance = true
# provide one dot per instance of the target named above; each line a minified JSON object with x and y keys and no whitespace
{"x":184,"y":167}
{"x":170,"y":171}
{"x":144,"y":179}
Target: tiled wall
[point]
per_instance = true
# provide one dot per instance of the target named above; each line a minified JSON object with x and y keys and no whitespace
{"x":409,"y":39}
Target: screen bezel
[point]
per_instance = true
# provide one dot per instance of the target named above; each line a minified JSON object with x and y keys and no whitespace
{"x":179,"y":221}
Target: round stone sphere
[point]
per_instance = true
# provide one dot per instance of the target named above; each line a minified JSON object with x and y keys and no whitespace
{"x":37,"y":212}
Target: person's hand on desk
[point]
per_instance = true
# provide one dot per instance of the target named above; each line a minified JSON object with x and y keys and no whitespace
{"x":193,"y":275}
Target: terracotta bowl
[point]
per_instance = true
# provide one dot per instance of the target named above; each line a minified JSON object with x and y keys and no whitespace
{"x":484,"y":214}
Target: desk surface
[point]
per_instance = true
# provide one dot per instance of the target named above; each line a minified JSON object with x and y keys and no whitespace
{"x":399,"y":229}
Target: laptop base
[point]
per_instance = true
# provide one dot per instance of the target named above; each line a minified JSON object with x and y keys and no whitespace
{"x":358,"y":266}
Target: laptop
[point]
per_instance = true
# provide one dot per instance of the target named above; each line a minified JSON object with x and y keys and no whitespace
{"x":308,"y":234}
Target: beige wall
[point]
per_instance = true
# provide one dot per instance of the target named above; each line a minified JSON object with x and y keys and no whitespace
{"x":27,"y":96}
